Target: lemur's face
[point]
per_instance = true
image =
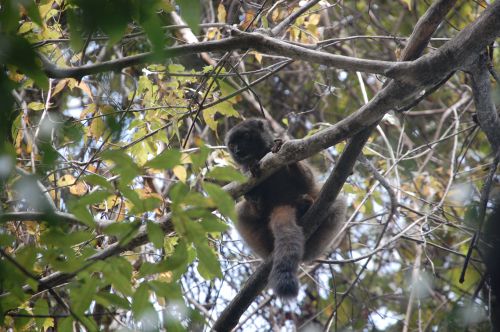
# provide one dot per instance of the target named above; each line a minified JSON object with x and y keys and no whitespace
{"x":249,"y":141}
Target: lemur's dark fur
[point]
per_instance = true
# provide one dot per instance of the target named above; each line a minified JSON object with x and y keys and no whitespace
{"x":268,"y":216}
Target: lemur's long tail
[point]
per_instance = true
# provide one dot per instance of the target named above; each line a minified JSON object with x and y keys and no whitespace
{"x":288,"y":251}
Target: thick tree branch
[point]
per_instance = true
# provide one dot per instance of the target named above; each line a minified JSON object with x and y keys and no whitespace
{"x":489,"y":122}
{"x":241,"y":40}
{"x":487,"y":115}
{"x":425,"y":28}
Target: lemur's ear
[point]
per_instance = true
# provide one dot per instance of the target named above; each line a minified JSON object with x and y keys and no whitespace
{"x":262,"y":123}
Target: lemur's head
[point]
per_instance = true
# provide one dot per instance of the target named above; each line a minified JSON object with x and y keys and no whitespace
{"x":249,"y":141}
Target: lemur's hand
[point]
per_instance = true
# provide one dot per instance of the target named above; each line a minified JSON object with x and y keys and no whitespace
{"x":278,"y":143}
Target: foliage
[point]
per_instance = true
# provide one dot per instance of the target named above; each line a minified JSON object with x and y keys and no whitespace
{"x":116,"y":179}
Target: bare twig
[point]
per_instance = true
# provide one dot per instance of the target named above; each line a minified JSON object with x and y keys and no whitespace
{"x":291,"y":18}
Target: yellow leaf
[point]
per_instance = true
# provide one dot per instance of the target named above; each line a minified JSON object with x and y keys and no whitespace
{"x":180,"y":173}
{"x":224,"y":108}
{"x":213,"y":33}
{"x":78,"y":189}
{"x":247,"y":20}
{"x":313,"y":29}
{"x":314,"y":19}
{"x":36,"y":106}
{"x":146,"y":193}
{"x":14,"y":75}
{"x":221,"y":13}
{"x":107,"y":109}
{"x":31,"y":227}
{"x":209,"y":117}
{"x":60,"y":86}
{"x":44,"y":9}
{"x":186,"y":158}
{"x":166,"y":276}
{"x":294,"y":33}
{"x":408,"y":4}
{"x":109,"y":203}
{"x":300,"y":20}
{"x":258,"y":57}
{"x":275,"y":15}
{"x":85,"y":88}
{"x":66,"y":180}
{"x":26,"y":27}
{"x":97,"y":128}
{"x":49,"y":322}
{"x":89,"y":110}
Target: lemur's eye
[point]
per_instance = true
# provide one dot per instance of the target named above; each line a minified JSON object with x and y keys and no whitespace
{"x":230,"y":146}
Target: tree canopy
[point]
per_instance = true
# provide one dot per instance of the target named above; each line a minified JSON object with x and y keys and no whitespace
{"x":117,"y":193}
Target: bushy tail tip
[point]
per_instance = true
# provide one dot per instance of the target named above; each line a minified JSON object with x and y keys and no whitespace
{"x":284,"y":283}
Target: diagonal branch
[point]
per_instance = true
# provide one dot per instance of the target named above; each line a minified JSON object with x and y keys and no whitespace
{"x":489,"y":122}
{"x":291,"y":18}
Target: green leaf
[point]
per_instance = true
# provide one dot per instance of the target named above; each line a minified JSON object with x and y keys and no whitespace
{"x":17,"y":51}
{"x":193,"y":231}
{"x":82,"y":213}
{"x":155,"y":234}
{"x":41,"y":308}
{"x":169,"y":291}
{"x":98,"y":180}
{"x":152,"y":26}
{"x":209,"y":266}
{"x":190,"y":11}
{"x":147,"y":204}
{"x":123,"y":165}
{"x":213,"y":224}
{"x":58,"y":238}
{"x":33,"y":12}
{"x":165,"y":160}
{"x":140,"y":301}
{"x":36,"y":106}
{"x":143,"y":308}
{"x":225,"y":108}
{"x":108,"y":299}
{"x":222,"y":199}
{"x":65,"y":324}
{"x":226,"y":173}
{"x":179,"y":257}
{"x":93,"y":198}
{"x":178,"y":192}
{"x":21,"y":322}
{"x":118,"y":272}
{"x":198,"y":201}
{"x":199,"y":159}
{"x":6,"y":240}
{"x":82,"y":297}
{"x":122,"y":230}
